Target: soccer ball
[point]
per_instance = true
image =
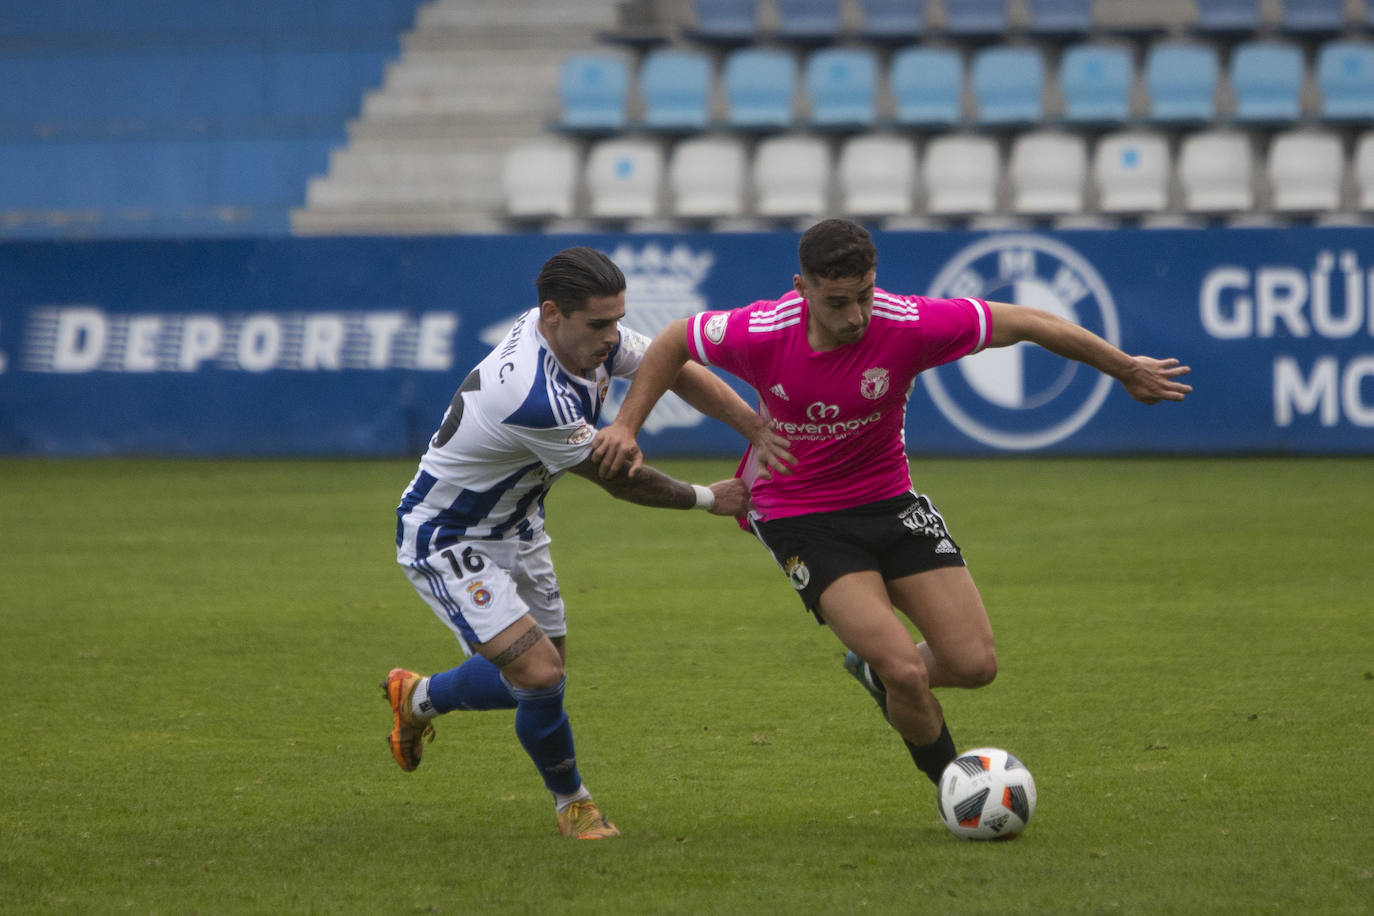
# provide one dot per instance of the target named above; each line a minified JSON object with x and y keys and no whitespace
{"x":986,"y":794}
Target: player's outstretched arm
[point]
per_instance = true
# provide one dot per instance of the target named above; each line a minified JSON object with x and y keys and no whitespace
{"x":652,"y":487}
{"x":708,"y":394}
{"x":1145,"y":378}
{"x":615,"y":446}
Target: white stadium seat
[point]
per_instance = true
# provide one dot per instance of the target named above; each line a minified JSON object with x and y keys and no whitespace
{"x":539,"y":180}
{"x":960,"y":175}
{"x":624,"y":178}
{"x":1131,"y":170}
{"x":707,"y":177}
{"x":1048,"y":173}
{"x":877,"y":175}
{"x":1216,"y":171}
{"x":1364,"y":167}
{"x":1306,"y":168}
{"x":791,"y":176}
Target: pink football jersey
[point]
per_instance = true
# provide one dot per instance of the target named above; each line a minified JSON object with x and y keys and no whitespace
{"x":844,"y":410}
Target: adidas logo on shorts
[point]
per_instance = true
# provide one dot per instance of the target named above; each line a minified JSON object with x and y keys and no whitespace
{"x":946,"y":546}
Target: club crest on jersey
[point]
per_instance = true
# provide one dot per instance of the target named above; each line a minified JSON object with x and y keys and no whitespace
{"x":1022,"y":397}
{"x":797,"y":573}
{"x":874,"y":383}
{"x":580,"y":435}
{"x":715,"y":327}
{"x":479,"y":593}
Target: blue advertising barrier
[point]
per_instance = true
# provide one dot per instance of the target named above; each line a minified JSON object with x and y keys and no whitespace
{"x":354,"y":346}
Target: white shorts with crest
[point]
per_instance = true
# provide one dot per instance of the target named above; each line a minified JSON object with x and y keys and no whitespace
{"x":479,"y":588}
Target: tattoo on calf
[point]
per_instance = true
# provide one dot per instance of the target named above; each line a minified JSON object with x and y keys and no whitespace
{"x":523,"y":643}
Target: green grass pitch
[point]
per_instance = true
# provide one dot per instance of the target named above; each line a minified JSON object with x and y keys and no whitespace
{"x":191,"y":651}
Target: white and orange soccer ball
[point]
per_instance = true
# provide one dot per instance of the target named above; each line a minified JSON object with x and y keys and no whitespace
{"x":986,"y":794}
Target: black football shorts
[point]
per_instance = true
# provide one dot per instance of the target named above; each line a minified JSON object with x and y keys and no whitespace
{"x":896,"y":537}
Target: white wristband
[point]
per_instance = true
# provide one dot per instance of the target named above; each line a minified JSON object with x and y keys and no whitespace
{"x":705,"y":498}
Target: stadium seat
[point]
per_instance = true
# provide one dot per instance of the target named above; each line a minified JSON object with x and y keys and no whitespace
{"x":1181,"y":80}
{"x":877,"y":175}
{"x":1095,"y":80}
{"x":808,"y":20}
{"x":1345,"y":76}
{"x":973,"y":18}
{"x":706,"y":177}
{"x":893,"y":20}
{"x":960,"y":174}
{"x":1306,"y":169}
{"x":1060,"y":17}
{"x":1364,"y":171}
{"x":539,"y":180}
{"x":593,"y":92}
{"x":1131,"y":171}
{"x":624,"y":178}
{"x":1216,"y":172}
{"x":1266,"y":77}
{"x":675,"y":87}
{"x":927,"y":86}
{"x":724,"y":21}
{"x":760,"y":87}
{"x":842,"y":87}
{"x":791,"y":176}
{"x":1313,"y":16}
{"x":1227,"y":16}
{"x":1048,"y":172}
{"x":1008,"y":85}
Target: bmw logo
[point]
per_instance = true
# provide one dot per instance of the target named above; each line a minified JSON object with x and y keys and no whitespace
{"x":1023,"y":397}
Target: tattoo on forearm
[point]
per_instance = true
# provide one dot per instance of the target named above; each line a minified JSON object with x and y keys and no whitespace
{"x":525,"y":642}
{"x":652,"y":487}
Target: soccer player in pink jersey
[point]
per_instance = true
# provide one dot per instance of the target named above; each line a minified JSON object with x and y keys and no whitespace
{"x":833,"y":363}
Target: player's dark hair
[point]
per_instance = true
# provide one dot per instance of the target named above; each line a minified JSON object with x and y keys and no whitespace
{"x":836,"y":248}
{"x":574,"y":275}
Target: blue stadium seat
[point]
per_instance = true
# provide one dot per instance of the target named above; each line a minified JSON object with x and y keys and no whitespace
{"x":1095,"y":80}
{"x":1182,"y":82}
{"x":725,"y":21}
{"x":593,"y":90}
{"x":675,"y":85}
{"x":1223,"y":16}
{"x":1008,"y":85}
{"x":842,"y":86}
{"x":893,"y":20}
{"x":1345,"y":75}
{"x":969,"y":18}
{"x":1266,"y":77}
{"x":927,"y":85}
{"x":1060,"y":17}
{"x":760,"y":85}
{"x":808,"y":20}
{"x":1313,"y":16}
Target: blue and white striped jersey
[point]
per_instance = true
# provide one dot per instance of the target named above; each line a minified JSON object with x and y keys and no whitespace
{"x":518,"y":421}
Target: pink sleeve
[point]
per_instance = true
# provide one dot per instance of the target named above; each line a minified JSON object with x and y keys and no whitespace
{"x":716,"y":339}
{"x":953,"y":328}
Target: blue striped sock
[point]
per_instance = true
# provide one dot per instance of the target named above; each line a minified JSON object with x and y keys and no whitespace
{"x":475,"y":684}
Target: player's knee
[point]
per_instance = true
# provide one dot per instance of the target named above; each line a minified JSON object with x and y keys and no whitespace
{"x":904,"y":676}
{"x":978,"y":668}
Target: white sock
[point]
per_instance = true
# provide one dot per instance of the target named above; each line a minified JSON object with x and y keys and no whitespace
{"x":421,"y":709}
{"x":563,"y":801}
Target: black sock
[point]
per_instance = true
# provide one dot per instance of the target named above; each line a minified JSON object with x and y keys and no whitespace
{"x":932,"y":758}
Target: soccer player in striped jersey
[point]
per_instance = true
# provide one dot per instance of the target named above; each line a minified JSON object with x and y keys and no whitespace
{"x":834,"y":362}
{"x":470,"y":526}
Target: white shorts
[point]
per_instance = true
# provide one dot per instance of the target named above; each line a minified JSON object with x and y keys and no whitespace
{"x":479,"y":588}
